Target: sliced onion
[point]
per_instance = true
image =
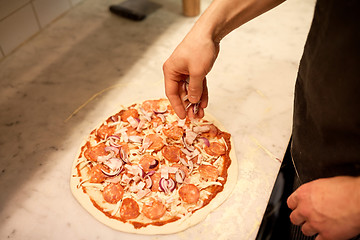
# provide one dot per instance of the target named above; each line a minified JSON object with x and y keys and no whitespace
{"x":183,"y":161}
{"x":114,"y":163}
{"x":191,"y":166}
{"x":147,"y":115}
{"x":124,"y":156}
{"x":148,"y":181}
{"x":112,"y":149}
{"x":206,"y":141}
{"x":113,"y":173}
{"x":154,"y":164}
{"x":186,"y":145}
{"x":180,"y":176}
{"x":160,"y":111}
{"x":162,"y":117}
{"x":150,"y":173}
{"x":167,"y":185}
{"x":113,"y":139}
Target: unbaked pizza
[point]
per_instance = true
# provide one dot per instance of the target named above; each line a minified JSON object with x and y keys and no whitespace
{"x":146,"y":171}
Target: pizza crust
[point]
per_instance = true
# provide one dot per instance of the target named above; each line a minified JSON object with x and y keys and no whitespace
{"x":169,"y":228}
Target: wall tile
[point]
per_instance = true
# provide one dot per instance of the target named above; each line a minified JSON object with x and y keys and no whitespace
{"x":8,"y":7}
{"x":17,"y":28}
{"x":48,"y":10}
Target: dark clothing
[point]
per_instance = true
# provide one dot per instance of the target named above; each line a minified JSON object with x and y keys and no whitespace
{"x":326,"y":124}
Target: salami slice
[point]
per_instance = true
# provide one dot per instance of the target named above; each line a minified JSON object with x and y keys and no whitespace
{"x":174,"y":132}
{"x":149,"y":163}
{"x":129,"y":209}
{"x":172,"y":153}
{"x":156,"y":141}
{"x":154,"y":210}
{"x":105,"y":130}
{"x":113,"y":193}
{"x":96,"y":175}
{"x":92,"y":153}
{"x":208,"y":172}
{"x":216,"y":149}
{"x":189,"y":193}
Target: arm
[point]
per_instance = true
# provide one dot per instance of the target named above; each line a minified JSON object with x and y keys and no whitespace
{"x":329,"y":207}
{"x":196,"y":54}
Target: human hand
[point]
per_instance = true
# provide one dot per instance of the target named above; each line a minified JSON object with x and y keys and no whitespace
{"x":329,"y":207}
{"x":193,"y":58}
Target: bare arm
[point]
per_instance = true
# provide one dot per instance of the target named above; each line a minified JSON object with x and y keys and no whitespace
{"x":196,"y":54}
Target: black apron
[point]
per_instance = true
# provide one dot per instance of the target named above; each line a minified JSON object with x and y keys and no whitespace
{"x":326,"y":124}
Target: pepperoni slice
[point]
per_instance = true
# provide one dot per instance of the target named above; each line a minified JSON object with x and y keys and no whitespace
{"x":208,"y":172}
{"x":129,"y":209}
{"x":172,"y":153}
{"x":155,"y":105}
{"x":155,"y":178}
{"x":96,"y":175}
{"x":174,"y":132}
{"x":149,"y":163}
{"x":156,"y":141}
{"x":127,"y":113}
{"x":105,"y":130}
{"x":113,"y":192}
{"x":92,"y":153}
{"x":154,"y":211}
{"x":189,"y":193}
{"x":216,"y":149}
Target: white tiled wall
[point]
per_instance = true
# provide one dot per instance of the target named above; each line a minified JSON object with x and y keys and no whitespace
{"x":21,"y":19}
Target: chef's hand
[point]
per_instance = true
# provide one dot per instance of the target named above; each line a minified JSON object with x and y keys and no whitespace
{"x":193,"y":58}
{"x":329,"y":207}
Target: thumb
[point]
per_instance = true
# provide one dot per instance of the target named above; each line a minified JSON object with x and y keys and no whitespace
{"x":195,"y":88}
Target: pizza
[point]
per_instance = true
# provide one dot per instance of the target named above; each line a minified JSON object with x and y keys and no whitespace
{"x":144,"y":170}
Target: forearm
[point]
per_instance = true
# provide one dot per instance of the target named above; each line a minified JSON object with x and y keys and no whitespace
{"x":223,"y":16}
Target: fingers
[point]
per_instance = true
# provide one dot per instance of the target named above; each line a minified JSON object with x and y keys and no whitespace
{"x":292,"y":201}
{"x":308,"y":230}
{"x":195,"y":89}
{"x":296,"y":218}
{"x":172,"y":92}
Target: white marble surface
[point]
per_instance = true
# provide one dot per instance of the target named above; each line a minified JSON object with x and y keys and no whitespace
{"x":88,"y":50}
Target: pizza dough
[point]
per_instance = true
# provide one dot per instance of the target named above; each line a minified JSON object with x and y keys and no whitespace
{"x":139,"y":205}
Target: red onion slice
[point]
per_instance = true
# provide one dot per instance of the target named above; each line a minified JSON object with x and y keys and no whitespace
{"x":112,"y":149}
{"x":162,"y":111}
{"x":180,"y":176}
{"x":154,"y":164}
{"x":167,"y":185}
{"x":205,"y":141}
{"x":114,"y":163}
{"x":133,"y":122}
{"x":148,"y":181}
{"x":114,"y":173}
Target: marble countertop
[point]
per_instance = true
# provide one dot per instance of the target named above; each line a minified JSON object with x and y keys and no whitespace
{"x":92,"y":61}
